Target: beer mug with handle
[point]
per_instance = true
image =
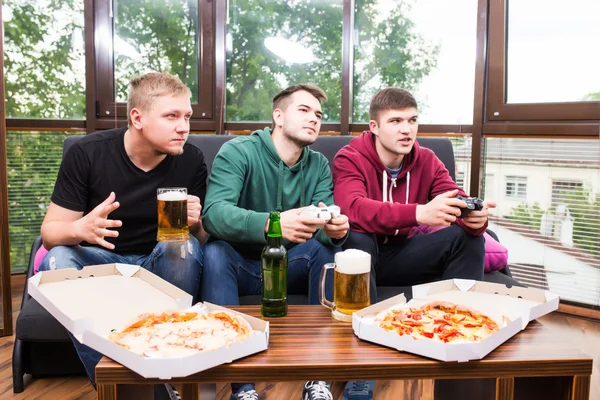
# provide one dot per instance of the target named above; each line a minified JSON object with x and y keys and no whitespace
{"x":172,"y":215}
{"x":351,"y":275}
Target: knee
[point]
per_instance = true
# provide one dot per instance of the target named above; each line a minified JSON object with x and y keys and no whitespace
{"x":361,"y":241}
{"x":183,"y":253}
{"x":471,"y":241}
{"x":216,"y":255}
{"x":57,"y":258}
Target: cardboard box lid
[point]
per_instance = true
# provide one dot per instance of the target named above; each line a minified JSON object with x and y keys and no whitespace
{"x":103,"y":297}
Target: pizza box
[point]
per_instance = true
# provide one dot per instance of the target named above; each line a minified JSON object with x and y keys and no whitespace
{"x":94,"y":301}
{"x":512,"y":308}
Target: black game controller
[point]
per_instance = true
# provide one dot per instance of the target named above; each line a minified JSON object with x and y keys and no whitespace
{"x":473,"y":204}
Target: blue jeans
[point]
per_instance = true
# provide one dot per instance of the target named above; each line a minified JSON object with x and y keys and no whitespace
{"x":181,"y":266}
{"x":227,"y":275}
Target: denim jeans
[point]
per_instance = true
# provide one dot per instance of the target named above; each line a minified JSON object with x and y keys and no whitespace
{"x":227,"y":275}
{"x":179,"y":263}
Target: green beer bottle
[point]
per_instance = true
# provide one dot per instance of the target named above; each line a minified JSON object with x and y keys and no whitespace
{"x":274,"y":271}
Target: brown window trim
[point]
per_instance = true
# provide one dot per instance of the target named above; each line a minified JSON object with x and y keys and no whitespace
{"x":590,"y":129}
{"x":104,"y":62}
{"x":30,"y":124}
{"x":497,"y":108}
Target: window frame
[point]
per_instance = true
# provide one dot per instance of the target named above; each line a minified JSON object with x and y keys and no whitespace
{"x":108,"y":113}
{"x":499,"y":110}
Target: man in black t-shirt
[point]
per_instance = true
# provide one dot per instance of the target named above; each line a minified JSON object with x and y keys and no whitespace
{"x":104,"y":207}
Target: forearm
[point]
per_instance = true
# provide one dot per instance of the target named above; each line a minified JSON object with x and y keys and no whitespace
{"x":227,"y":222}
{"x":198,"y":231}
{"x":60,"y":233}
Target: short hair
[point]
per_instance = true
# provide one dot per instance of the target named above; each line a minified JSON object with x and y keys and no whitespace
{"x":282,"y":99}
{"x":144,"y":89}
{"x":391,"y":99}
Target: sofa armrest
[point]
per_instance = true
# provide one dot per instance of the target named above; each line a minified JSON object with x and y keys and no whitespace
{"x":35,"y":246}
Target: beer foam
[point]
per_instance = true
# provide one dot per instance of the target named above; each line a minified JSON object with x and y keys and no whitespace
{"x":172,"y":196}
{"x":352,"y":262}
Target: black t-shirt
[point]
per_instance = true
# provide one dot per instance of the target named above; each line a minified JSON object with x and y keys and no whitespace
{"x":97,"y":164}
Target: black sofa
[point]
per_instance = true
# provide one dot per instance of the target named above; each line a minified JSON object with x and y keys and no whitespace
{"x":42,"y":346}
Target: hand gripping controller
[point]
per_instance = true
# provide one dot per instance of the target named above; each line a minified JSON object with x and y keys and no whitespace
{"x":473,"y":204}
{"x":323,"y":213}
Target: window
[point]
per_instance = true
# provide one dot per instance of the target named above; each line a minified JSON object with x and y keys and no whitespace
{"x":460,"y":179}
{"x":427,"y":47}
{"x":156,"y":36}
{"x":536,"y":72}
{"x":562,"y":190}
{"x":516,"y":187}
{"x":489,"y":191}
{"x":177,"y":37}
{"x":33,"y":162}
{"x":552,"y":234}
{"x":273,"y":44}
{"x":44,"y":60}
{"x":528,"y":78}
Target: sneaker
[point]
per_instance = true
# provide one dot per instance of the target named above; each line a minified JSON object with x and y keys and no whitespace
{"x":358,"y":390}
{"x":249,"y":394}
{"x":172,"y":392}
{"x":314,"y":390}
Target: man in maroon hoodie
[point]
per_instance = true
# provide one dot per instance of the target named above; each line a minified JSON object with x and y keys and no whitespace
{"x":387,"y":184}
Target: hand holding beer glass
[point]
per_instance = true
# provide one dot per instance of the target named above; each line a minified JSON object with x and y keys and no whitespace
{"x":351,"y":276}
{"x":172,"y":215}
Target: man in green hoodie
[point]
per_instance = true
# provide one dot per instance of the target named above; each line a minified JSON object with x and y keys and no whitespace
{"x":256,"y":174}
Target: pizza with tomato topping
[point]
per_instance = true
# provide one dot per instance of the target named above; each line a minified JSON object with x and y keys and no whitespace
{"x":179,"y":333}
{"x":442,"y":321}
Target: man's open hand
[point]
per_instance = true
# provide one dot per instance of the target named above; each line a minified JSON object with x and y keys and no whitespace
{"x":94,"y":226}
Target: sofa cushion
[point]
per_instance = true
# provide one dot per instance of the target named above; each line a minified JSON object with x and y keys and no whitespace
{"x":36,"y":324}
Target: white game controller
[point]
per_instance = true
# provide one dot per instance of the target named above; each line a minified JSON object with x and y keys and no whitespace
{"x":323,"y":213}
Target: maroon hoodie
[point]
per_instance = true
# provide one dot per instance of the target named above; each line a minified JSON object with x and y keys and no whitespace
{"x":376,"y":203}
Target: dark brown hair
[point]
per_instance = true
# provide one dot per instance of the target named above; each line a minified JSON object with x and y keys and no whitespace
{"x":391,"y":99}
{"x":282,"y":99}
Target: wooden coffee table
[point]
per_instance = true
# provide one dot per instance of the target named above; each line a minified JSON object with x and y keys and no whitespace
{"x":308,"y":344}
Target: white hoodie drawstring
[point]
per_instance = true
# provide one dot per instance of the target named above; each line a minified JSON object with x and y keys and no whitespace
{"x":407,"y":186}
{"x":391,"y":199}
{"x":384,"y":186}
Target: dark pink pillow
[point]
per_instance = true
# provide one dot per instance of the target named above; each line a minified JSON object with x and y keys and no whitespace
{"x":39,"y":256}
{"x":496,"y":255}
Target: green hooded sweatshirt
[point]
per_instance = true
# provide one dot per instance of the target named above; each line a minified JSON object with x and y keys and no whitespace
{"x":248,"y":180}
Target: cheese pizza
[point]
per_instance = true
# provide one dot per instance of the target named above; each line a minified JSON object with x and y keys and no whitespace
{"x":180,"y":333}
{"x":442,"y":321}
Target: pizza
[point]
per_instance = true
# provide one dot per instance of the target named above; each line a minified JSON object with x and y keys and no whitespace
{"x":440,"y":321}
{"x":180,"y":333}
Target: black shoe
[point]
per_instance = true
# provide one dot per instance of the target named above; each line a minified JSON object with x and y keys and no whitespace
{"x":316,"y":390}
{"x":359,"y":390}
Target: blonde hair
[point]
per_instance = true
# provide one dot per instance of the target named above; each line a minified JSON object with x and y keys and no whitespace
{"x":144,"y":89}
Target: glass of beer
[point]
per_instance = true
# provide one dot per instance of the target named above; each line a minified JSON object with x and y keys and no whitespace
{"x":351,"y":276}
{"x":172,"y":215}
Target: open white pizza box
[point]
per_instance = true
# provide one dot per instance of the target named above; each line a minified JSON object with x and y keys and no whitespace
{"x":92,"y":302}
{"x":512,"y":308}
